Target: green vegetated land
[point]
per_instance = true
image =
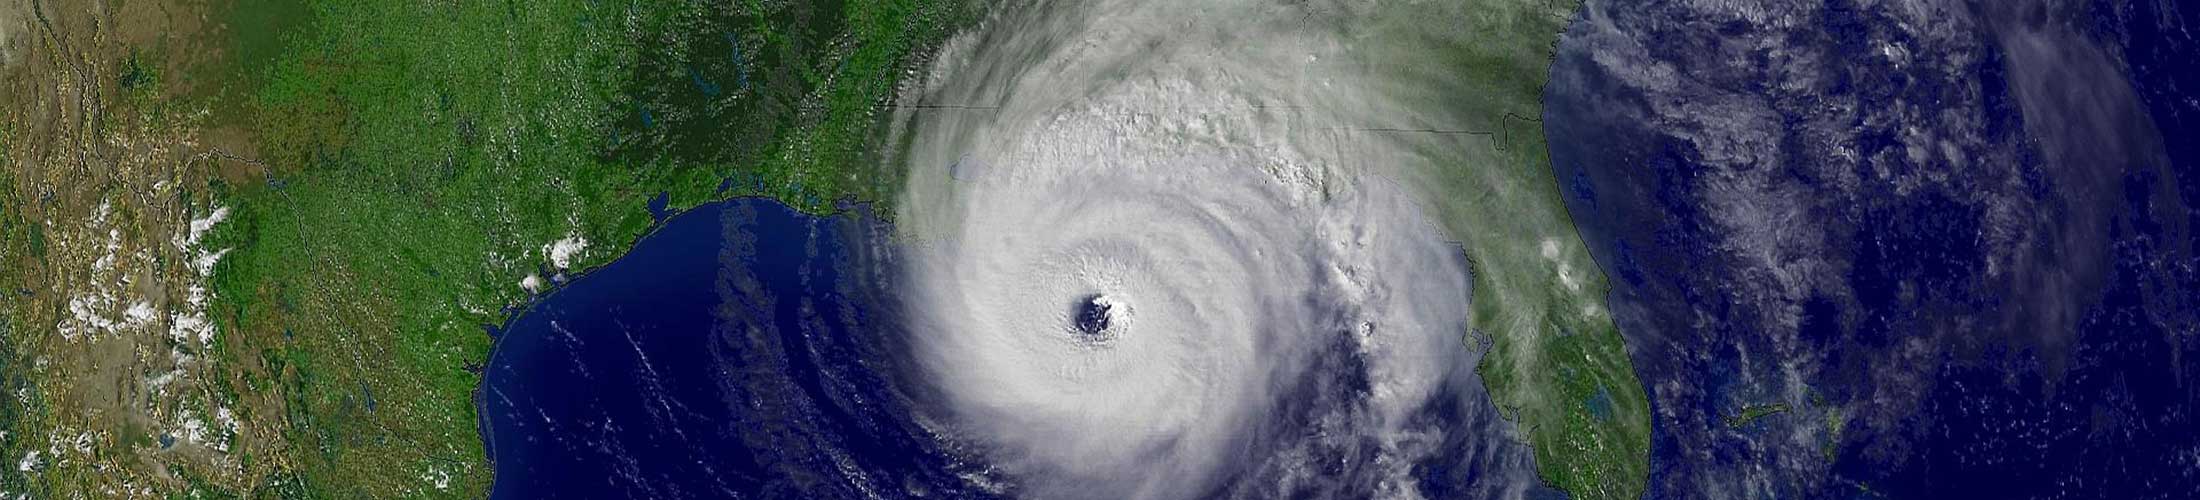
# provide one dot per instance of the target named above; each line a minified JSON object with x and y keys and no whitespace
{"x":409,"y":164}
{"x":1752,"y":413}
{"x":17,"y":239}
{"x":1557,"y":365}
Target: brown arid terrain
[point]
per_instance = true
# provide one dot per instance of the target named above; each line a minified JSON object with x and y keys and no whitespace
{"x":107,"y":203}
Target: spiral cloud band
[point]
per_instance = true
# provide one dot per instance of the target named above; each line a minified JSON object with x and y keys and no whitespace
{"x":1147,"y":267}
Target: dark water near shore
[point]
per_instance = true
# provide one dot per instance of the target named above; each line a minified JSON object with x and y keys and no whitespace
{"x":742,"y":350}
{"x":745,"y":350}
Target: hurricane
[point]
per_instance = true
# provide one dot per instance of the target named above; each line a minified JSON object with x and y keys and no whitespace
{"x":1153,"y":259}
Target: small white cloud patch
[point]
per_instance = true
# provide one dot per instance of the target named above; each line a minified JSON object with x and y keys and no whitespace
{"x":1565,"y":271}
{"x":563,"y":251}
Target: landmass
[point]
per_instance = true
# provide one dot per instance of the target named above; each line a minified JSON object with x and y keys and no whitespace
{"x":1750,"y":414}
{"x":1557,"y":364}
{"x":251,"y":247}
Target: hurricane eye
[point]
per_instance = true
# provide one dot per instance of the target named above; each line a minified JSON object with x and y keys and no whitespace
{"x":1092,"y":314}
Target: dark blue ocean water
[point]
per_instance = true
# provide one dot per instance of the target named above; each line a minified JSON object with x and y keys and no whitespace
{"x":2010,"y":311}
{"x":743,"y":350}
